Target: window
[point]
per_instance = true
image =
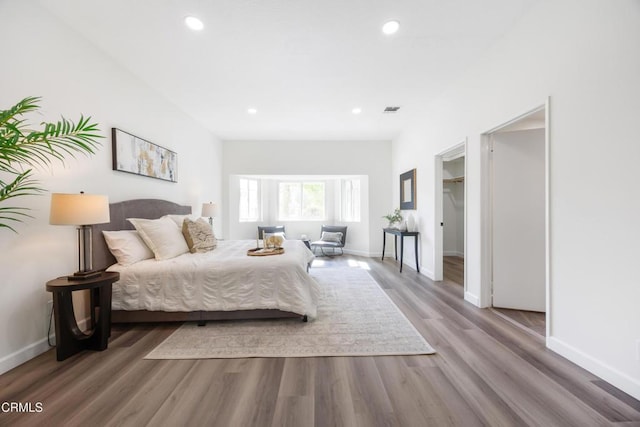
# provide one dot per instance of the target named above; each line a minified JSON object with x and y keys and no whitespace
{"x":249,"y":200}
{"x":350,"y":200}
{"x":301,"y":201}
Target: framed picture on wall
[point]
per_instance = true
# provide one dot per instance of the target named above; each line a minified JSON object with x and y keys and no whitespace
{"x":135,"y":155}
{"x":408,"y":190}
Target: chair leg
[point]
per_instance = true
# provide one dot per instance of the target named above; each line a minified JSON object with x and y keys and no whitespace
{"x":333,"y":252}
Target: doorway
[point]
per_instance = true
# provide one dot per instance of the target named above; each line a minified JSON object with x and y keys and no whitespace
{"x":450,"y":218}
{"x":453,"y":218}
{"x":518,"y":218}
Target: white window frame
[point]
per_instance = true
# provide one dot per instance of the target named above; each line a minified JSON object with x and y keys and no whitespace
{"x":300,"y":217}
{"x":350,"y":200}
{"x":250,"y":201}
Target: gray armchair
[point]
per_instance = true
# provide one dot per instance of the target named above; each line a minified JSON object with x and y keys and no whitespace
{"x":331,"y":237}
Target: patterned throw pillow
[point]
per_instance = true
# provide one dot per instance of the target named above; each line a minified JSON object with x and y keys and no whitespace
{"x":330,"y":236}
{"x":199,"y":235}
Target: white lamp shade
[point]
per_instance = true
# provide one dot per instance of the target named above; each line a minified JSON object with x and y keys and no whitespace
{"x":209,"y":210}
{"x":79,"y":209}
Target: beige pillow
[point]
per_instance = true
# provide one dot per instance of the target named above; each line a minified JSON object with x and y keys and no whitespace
{"x":178,"y":219}
{"x":162,"y":236}
{"x":198,"y":235}
{"x":127,"y":246}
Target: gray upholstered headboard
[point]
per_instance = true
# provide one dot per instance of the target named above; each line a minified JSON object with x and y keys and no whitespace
{"x":119,"y":212}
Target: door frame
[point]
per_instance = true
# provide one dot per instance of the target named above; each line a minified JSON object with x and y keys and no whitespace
{"x":451,"y":153}
{"x":486,"y":197}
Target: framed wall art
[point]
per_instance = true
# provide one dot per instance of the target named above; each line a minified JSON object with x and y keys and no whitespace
{"x":135,"y":155}
{"x":408,"y":190}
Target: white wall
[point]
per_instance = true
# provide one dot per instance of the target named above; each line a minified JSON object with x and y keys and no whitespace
{"x":73,"y":77}
{"x":584,"y":55}
{"x":368,"y":158}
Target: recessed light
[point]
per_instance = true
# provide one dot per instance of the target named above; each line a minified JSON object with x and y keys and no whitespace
{"x":390,"y":27}
{"x":356,"y":110}
{"x":252,"y":111}
{"x":194,"y":23}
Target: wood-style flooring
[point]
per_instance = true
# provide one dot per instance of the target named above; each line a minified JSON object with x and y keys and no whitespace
{"x":453,"y":271}
{"x":486,"y":372}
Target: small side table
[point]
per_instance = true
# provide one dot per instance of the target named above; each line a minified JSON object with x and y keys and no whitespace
{"x":307,"y":243}
{"x":69,"y":338}
{"x":402,"y":235}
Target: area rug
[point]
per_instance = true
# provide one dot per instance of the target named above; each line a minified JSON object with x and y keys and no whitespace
{"x":355,"y":318}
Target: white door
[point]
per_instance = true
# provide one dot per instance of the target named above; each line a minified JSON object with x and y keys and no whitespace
{"x":518,"y":226}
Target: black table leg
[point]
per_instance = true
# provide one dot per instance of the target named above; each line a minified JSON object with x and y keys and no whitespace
{"x":395,"y":245}
{"x":415,"y":239}
{"x":401,"y":252}
{"x":384,"y":243}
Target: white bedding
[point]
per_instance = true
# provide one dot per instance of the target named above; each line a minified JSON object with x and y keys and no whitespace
{"x":224,"y":279}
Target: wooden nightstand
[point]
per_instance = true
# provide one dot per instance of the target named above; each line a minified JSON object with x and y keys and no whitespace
{"x":69,"y":338}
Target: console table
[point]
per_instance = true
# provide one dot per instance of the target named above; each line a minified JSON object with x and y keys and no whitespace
{"x":402,"y":235}
{"x":69,"y":338}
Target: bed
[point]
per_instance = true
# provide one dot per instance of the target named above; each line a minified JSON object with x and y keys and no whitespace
{"x":221,"y":284}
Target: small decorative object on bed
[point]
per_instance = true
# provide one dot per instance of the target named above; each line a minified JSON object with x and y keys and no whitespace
{"x":138,"y":156}
{"x":265,"y":251}
{"x":266,"y":231}
{"x":273,"y":241}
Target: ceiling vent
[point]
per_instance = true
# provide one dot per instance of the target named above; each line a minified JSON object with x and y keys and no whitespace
{"x":391,"y":110}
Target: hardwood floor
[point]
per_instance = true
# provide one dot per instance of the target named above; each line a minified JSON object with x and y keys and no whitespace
{"x":533,"y":322}
{"x":453,"y":269}
{"x":486,"y":372}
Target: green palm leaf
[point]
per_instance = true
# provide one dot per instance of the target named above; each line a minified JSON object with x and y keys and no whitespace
{"x":22,"y":146}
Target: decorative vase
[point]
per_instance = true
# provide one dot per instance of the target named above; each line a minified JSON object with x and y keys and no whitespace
{"x":411,"y":223}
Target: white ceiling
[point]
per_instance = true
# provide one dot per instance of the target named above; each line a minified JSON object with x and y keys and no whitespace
{"x":304,"y":64}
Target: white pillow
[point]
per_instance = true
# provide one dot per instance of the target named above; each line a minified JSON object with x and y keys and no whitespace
{"x":162,"y":236}
{"x":179,"y":219}
{"x":127,"y":246}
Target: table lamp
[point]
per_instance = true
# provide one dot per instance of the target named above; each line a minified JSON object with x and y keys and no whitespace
{"x":82,"y":210}
{"x":209,"y":210}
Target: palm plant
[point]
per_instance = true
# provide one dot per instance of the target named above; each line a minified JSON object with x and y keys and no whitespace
{"x":22,"y":148}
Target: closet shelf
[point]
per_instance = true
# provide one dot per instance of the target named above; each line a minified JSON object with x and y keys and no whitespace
{"x":455,"y":179}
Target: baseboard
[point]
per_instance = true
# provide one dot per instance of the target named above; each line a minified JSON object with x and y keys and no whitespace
{"x":453,"y":253}
{"x":23,"y":355}
{"x":27,"y":353}
{"x":608,"y":373}
{"x":473,"y":299}
{"x":425,"y":272}
{"x":359,"y":253}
